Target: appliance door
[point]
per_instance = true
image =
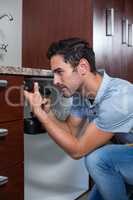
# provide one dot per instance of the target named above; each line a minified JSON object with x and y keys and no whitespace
{"x":50,"y":173}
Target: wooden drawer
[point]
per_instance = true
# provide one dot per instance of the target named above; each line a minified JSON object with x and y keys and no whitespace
{"x":14,"y":188}
{"x":11,"y":145}
{"x":11,"y":98}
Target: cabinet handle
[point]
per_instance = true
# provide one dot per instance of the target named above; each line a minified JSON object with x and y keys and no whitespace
{"x":3,"y":83}
{"x":3,"y":180}
{"x":130,"y":35}
{"x":124,"y":31}
{"x":3,"y":132}
{"x":109,"y":21}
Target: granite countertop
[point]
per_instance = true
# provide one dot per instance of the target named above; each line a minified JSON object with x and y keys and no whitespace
{"x":24,"y":71}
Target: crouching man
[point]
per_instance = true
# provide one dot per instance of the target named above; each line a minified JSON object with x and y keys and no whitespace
{"x":105,"y":103}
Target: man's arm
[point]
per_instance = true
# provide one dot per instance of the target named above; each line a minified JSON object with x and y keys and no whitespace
{"x":72,"y":124}
{"x":76,"y":147}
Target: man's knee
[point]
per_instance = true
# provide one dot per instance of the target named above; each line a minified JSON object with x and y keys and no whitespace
{"x":98,"y":158}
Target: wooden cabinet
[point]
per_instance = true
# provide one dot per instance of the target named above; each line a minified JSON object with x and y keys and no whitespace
{"x":108,"y":47}
{"x":111,"y":53}
{"x":102,"y":44}
{"x":45,"y":21}
{"x":127,"y":50}
{"x":58,"y":19}
{"x":11,"y":138}
{"x":11,"y":145}
{"x":14,"y":188}
{"x":11,"y":98}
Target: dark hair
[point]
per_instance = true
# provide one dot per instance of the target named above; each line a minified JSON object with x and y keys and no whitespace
{"x":73,"y":49}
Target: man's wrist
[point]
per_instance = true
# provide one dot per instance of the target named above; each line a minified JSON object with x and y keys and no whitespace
{"x":38,"y":111}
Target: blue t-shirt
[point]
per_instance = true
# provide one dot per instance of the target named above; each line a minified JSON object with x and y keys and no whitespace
{"x":112,"y":109}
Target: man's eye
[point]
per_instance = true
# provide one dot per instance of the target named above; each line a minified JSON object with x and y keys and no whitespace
{"x":60,"y":72}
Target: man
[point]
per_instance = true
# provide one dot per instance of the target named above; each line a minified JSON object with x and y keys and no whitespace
{"x":106,"y":103}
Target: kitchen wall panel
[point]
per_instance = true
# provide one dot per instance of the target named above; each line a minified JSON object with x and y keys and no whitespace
{"x":11,"y":32}
{"x":51,"y":20}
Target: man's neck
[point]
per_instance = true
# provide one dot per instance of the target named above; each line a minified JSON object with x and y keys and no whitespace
{"x":91,"y":85}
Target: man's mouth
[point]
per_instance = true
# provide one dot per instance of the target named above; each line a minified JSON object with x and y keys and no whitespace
{"x":63,"y":89}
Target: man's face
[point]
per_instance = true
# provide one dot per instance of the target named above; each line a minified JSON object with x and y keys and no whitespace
{"x":65,"y":78}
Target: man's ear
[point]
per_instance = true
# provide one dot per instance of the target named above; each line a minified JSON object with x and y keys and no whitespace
{"x":83,"y":66}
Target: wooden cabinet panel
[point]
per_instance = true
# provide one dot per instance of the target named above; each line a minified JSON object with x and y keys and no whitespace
{"x":51,"y":20}
{"x":128,"y":50}
{"x":14,"y":188}
{"x":108,"y":48}
{"x":11,"y":146}
{"x":11,"y":98}
{"x":111,"y":54}
{"x":102,"y":44}
{"x":58,"y":19}
{"x":11,"y":137}
{"x":117,"y":64}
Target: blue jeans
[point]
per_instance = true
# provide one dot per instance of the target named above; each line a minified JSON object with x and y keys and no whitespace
{"x":111,"y":168}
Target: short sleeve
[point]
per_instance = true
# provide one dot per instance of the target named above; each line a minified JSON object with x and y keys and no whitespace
{"x":116,"y":114}
{"x":78,"y":108}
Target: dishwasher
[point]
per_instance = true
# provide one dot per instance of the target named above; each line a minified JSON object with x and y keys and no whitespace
{"x":50,"y":174}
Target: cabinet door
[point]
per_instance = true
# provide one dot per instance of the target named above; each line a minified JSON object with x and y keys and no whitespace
{"x":51,"y":20}
{"x":14,"y":188}
{"x":11,"y":145}
{"x":101,"y":43}
{"x":107,"y":47}
{"x":11,"y":98}
{"x":128,"y":48}
{"x":117,"y":64}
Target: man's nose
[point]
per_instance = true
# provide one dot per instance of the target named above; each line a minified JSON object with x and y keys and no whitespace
{"x":56,"y":80}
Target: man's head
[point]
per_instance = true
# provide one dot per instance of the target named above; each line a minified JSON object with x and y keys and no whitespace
{"x":70,"y":60}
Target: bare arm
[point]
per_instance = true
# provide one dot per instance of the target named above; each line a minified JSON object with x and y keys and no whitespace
{"x":64,"y":133}
{"x":72,"y":124}
{"x":75,"y":147}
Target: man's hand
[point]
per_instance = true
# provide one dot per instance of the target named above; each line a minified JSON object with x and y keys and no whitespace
{"x":46,"y":105}
{"x":36,"y":101}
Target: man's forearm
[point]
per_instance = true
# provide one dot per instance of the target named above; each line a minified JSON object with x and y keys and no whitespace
{"x":59,"y":132}
{"x":62,"y":124}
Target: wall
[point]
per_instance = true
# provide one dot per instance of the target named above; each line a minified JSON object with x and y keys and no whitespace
{"x":56,"y":19}
{"x":11,"y":32}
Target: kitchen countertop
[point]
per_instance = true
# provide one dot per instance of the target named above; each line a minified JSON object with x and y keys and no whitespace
{"x":24,"y":71}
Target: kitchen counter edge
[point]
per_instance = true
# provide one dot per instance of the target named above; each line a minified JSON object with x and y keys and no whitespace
{"x":25,"y":71}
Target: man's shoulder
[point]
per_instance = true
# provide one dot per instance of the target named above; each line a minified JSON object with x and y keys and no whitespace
{"x":115,"y":111}
{"x":119,"y":84}
{"x":117,"y":101}
{"x":119,"y":91}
